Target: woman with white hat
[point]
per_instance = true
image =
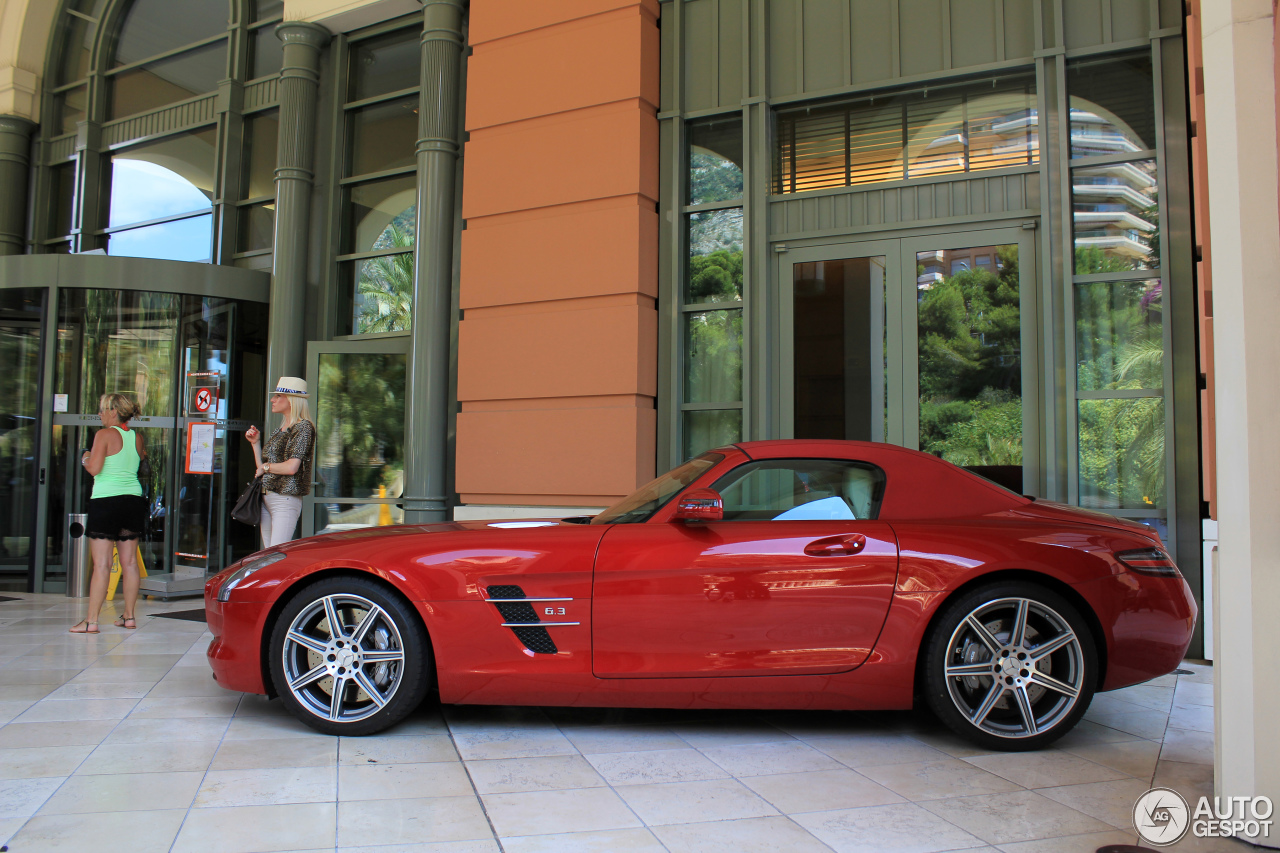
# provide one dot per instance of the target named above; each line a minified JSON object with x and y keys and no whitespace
{"x":284,"y":464}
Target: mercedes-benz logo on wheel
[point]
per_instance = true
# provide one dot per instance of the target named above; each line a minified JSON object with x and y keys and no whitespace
{"x":1161,"y":817}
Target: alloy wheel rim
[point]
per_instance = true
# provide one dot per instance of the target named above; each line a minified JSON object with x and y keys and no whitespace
{"x":343,"y":658}
{"x":1014,"y":668}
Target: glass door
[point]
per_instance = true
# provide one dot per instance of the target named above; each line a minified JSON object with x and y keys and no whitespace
{"x":358,"y":404}
{"x":844,"y":342}
{"x":929,"y":342}
{"x":971,"y":350}
{"x":21,"y":317}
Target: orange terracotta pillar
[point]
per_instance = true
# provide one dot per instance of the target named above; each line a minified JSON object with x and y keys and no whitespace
{"x":557,"y":346}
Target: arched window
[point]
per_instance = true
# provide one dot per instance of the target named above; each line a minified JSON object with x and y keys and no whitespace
{"x":146,"y":72}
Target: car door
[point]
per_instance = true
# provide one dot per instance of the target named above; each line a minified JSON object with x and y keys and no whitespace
{"x":796,"y":579}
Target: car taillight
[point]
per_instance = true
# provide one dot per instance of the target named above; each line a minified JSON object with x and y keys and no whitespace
{"x":1149,"y":561}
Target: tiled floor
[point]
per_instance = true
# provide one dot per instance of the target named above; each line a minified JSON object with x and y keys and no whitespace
{"x":123,"y":742}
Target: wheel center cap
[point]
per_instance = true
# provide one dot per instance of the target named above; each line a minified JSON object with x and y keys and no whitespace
{"x":1011,"y":666}
{"x":345,"y":658}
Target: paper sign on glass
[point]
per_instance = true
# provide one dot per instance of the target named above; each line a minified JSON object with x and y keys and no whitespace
{"x":200,"y":442}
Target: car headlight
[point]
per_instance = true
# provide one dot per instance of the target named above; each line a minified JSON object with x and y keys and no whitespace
{"x":233,"y":579}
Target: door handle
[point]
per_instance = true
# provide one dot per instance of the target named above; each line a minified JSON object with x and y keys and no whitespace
{"x":836,"y":546}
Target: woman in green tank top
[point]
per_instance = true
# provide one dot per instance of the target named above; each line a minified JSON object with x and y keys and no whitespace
{"x":117,"y":509}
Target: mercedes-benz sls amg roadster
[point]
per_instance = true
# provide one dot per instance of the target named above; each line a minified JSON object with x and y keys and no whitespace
{"x":767,"y":575}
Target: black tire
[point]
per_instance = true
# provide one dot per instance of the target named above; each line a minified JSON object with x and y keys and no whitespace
{"x":389,"y":656}
{"x":986,"y":688}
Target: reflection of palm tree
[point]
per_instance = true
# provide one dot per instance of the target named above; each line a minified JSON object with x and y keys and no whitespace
{"x":384,"y":292}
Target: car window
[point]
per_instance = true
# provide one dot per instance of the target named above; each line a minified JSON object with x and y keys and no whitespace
{"x":802,"y":490}
{"x":641,"y":504}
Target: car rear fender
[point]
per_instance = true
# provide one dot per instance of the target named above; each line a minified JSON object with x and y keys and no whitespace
{"x":1049,"y":582}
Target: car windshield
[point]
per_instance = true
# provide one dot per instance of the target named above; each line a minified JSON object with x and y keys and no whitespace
{"x":641,"y":504}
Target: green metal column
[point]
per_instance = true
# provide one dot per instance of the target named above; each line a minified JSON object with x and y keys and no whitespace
{"x":295,"y":155}
{"x":15,"y":147}
{"x":426,"y":421}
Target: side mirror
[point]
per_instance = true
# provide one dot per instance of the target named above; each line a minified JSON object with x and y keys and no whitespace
{"x":699,"y":505}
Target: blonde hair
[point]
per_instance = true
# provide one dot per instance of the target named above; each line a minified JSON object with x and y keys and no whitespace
{"x":298,"y":409}
{"x":124,"y":408}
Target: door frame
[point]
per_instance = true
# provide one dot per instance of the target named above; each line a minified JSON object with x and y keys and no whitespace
{"x":382,"y":344}
{"x":899,"y":247}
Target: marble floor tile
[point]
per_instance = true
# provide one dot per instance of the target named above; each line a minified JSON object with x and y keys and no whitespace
{"x":367,"y":823}
{"x":268,"y":728}
{"x":823,"y":790}
{"x":694,"y":802}
{"x":403,"y":781}
{"x":541,"y":773}
{"x":189,"y":706}
{"x":21,"y":798}
{"x":34,"y":762}
{"x":871,"y":749}
{"x":654,"y":766}
{"x":380,"y":749}
{"x":106,"y":690}
{"x":157,"y":757}
{"x":601,"y":841}
{"x":1147,"y":695}
{"x":1192,"y":781}
{"x":1088,"y":843}
{"x":950,"y":777}
{"x":1144,"y":723}
{"x":589,"y":739}
{"x":548,"y":812}
{"x":1193,"y":693}
{"x":1132,"y":757}
{"x":1191,"y":717}
{"x":516,"y":740}
{"x":762,"y":759}
{"x":286,"y":752}
{"x":745,"y":835}
{"x":118,"y":832}
{"x":250,"y":829}
{"x":1189,"y":747}
{"x":264,"y":787}
{"x":56,"y":711}
{"x":124,"y":792}
{"x":1016,"y":816}
{"x":89,"y":733}
{"x":712,"y":735}
{"x":899,"y":828}
{"x":1044,"y":769}
{"x":1111,"y":802}
{"x":131,"y":730}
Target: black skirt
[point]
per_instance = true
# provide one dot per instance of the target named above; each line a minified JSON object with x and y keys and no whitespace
{"x":121,"y":518}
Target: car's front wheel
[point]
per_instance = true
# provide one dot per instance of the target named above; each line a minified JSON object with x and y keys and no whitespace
{"x":348,"y":657}
{"x":1010,"y":666}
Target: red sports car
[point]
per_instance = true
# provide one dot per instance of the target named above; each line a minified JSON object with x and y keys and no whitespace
{"x":772,"y":574}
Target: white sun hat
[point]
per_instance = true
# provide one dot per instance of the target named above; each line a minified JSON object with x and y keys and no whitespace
{"x":291,"y":385}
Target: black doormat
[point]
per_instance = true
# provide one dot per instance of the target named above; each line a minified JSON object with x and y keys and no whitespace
{"x":9,"y":598}
{"x":189,"y":615}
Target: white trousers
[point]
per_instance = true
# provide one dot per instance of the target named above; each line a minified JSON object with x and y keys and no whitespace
{"x":279,"y":518}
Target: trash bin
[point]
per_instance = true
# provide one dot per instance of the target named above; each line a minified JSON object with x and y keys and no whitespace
{"x":75,"y":555}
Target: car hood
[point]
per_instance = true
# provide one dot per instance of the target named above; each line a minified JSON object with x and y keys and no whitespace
{"x":497,"y":525}
{"x":1053,"y":511}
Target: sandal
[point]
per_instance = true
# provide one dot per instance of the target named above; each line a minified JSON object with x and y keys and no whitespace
{"x":86,"y":630}
{"x":123,"y":622}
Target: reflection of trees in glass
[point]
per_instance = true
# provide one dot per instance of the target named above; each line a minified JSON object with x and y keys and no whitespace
{"x":715,"y":277}
{"x":970,"y":365}
{"x":1120,"y":346}
{"x":384,"y":291}
{"x":713,"y":366}
{"x":360,"y":416}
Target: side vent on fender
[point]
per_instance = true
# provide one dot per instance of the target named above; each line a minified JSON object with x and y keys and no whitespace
{"x":535,"y":639}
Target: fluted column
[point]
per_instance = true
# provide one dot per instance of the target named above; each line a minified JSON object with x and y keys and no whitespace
{"x":15,"y":146}
{"x":427,"y":412}
{"x":295,"y":171}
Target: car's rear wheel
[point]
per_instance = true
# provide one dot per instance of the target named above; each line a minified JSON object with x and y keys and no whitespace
{"x":1010,"y":666}
{"x":349,"y":657}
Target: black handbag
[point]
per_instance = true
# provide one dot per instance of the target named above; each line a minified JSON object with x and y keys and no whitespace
{"x":248,"y":508}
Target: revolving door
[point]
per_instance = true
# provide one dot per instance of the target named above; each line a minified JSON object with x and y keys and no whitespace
{"x":193,"y":360}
